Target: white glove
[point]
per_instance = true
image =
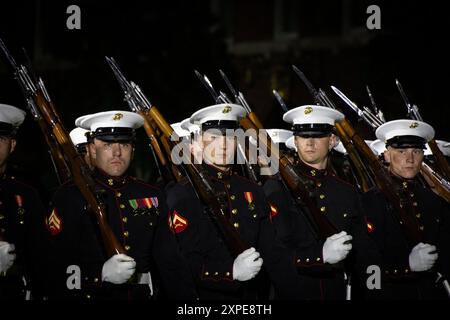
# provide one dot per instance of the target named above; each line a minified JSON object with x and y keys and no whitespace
{"x":421,"y":257}
{"x":118,"y":269}
{"x":335,"y":249}
{"x":6,"y":256}
{"x":247,"y":265}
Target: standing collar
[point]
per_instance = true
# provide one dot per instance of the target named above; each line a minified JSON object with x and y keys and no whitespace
{"x":310,"y":171}
{"x":216,"y":173}
{"x":110,"y":181}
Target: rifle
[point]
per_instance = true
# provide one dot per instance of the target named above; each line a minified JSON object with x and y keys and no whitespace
{"x":80,"y":172}
{"x":440,"y":185}
{"x":413,"y":113}
{"x":320,"y":98}
{"x":138,"y":103}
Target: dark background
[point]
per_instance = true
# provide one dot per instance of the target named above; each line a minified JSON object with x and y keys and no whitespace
{"x":158,"y":44}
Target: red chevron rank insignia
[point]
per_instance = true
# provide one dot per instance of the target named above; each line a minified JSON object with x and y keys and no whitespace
{"x":54,"y":223}
{"x":177,"y":223}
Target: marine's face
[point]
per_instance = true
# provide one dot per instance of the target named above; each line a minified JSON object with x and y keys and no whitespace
{"x":114,"y":158}
{"x":218,"y":149}
{"x":7,"y":146}
{"x":314,"y":151}
{"x":404,"y":162}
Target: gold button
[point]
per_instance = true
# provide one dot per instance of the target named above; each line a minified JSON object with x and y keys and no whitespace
{"x":234,"y":211}
{"x":125,"y":233}
{"x":110,"y":182}
{"x":298,"y":260}
{"x":323,"y":209}
{"x":406,"y":270}
{"x":232,"y":197}
{"x":2,"y":217}
{"x":127,"y":247}
{"x":313,"y":173}
{"x":95,"y":279}
{"x":227,"y":274}
{"x":122,"y":206}
{"x":21,"y":222}
{"x":307,"y":259}
{"x":216,"y":273}
{"x":418,"y":216}
{"x":318,"y":259}
{"x":345,"y":215}
{"x":395,"y":271}
{"x":255,"y":215}
{"x":151,"y":224}
{"x":322,"y":196}
{"x":401,"y":222}
{"x":236,"y":225}
{"x":88,"y":296}
{"x":405,"y":185}
{"x":206,"y":273}
{"x":125,"y":219}
{"x":118,"y":194}
{"x":421,"y":228}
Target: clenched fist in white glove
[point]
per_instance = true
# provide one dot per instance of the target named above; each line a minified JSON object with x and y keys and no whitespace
{"x":247,"y":265}
{"x":7,"y":256}
{"x":118,"y":269}
{"x":422,"y":257}
{"x":335,"y":248}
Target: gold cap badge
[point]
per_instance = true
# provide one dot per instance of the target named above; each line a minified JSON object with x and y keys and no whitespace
{"x":308,"y":110}
{"x":117,"y":116}
{"x":413,"y":125}
{"x":226,"y":109}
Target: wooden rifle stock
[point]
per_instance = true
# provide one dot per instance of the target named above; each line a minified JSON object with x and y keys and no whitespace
{"x":254,"y":118}
{"x":80,"y":174}
{"x":61,"y":167}
{"x":442,"y":163}
{"x":170,"y":172}
{"x":434,"y":182}
{"x":358,"y":165}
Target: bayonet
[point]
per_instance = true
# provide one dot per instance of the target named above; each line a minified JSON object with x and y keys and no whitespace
{"x":349,"y":102}
{"x":207,"y":84}
{"x":123,"y":82}
{"x":308,"y":84}
{"x":413,"y":110}
{"x":238,"y":96}
{"x":378,"y":113}
{"x":366,"y":116}
{"x":229,"y":85}
{"x":280,"y":101}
